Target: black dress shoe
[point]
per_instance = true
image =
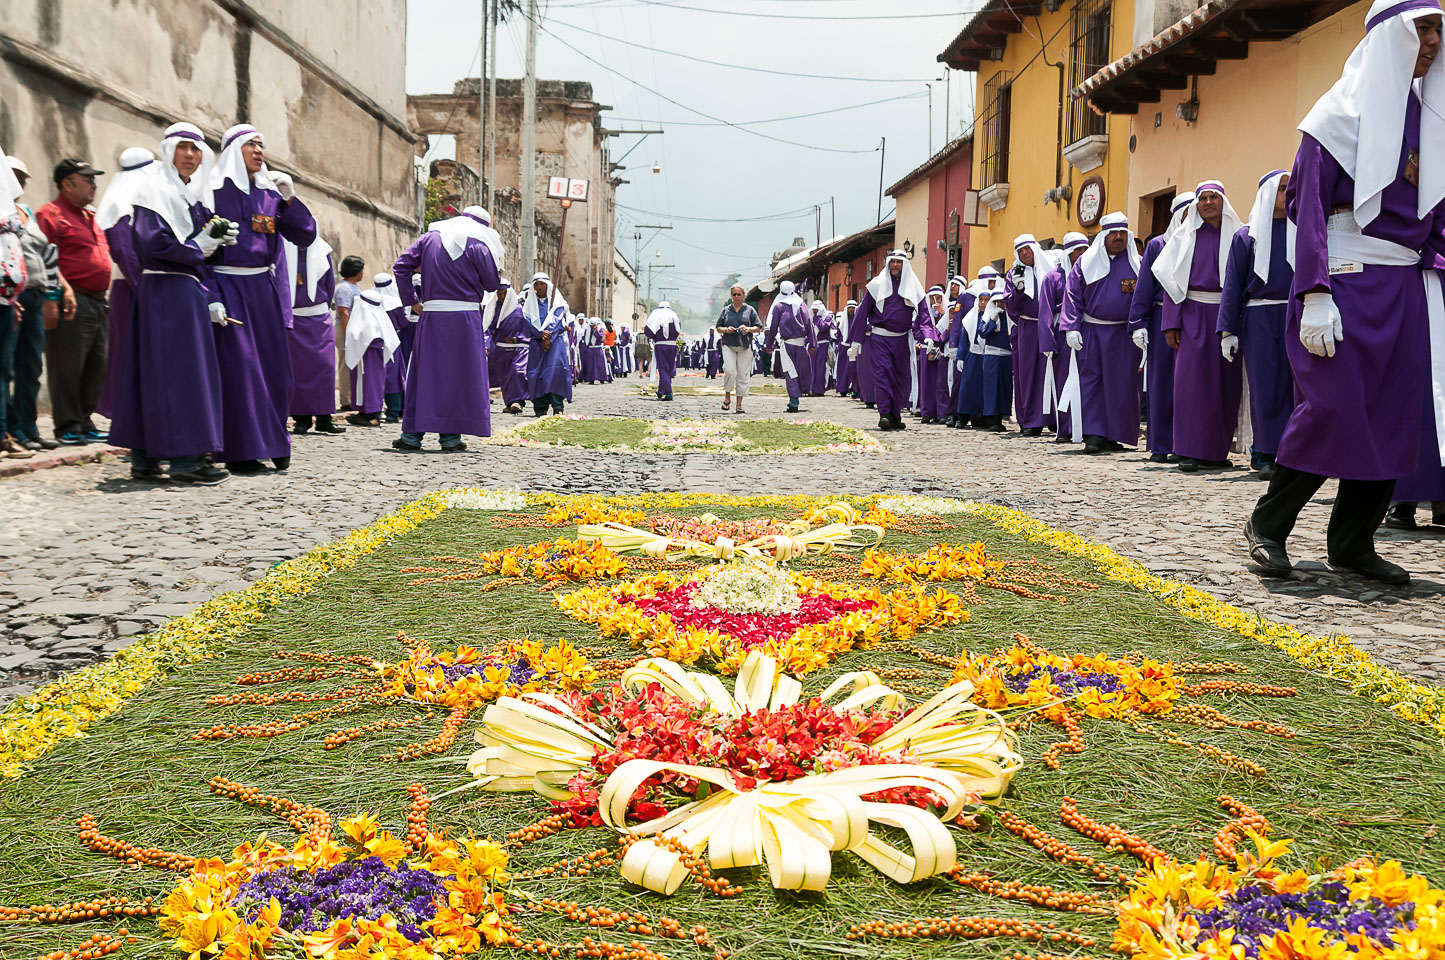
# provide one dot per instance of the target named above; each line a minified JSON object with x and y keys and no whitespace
{"x":1188,"y":464}
{"x":1032,"y":432}
{"x":246,"y":467}
{"x":302,"y":425}
{"x":898,"y":423}
{"x":1374,"y":567}
{"x":364,"y":420}
{"x":1402,"y":517}
{"x":146,"y":474}
{"x":869,"y":406}
{"x":951,"y":422}
{"x":1093,"y":444}
{"x":885,"y":423}
{"x":1269,"y":554}
{"x":400,"y":444}
{"x":1266,"y":470}
{"x":281,"y":463}
{"x":208,"y":475}
{"x":1064,"y":438}
{"x":1158,"y":458}
{"x":1113,"y":445}
{"x":459,"y":447}
{"x":326,"y":425}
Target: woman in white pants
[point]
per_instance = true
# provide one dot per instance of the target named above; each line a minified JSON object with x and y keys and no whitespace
{"x":737,"y":323}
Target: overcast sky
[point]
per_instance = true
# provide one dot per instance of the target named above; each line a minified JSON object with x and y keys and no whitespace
{"x":718,"y":171}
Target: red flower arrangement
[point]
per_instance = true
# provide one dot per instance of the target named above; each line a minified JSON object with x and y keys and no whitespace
{"x":747,"y":629}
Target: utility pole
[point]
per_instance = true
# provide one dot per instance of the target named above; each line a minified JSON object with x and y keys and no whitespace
{"x":527,"y":166}
{"x":947,"y":107}
{"x":492,"y":111}
{"x":882,"y":154}
{"x":817,"y":225}
{"x":637,"y":242}
{"x":833,"y":206}
{"x":930,"y":118}
{"x":660,"y":266}
{"x":482,"y":167}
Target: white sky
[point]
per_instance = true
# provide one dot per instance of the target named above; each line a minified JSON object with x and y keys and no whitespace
{"x":720,"y":171}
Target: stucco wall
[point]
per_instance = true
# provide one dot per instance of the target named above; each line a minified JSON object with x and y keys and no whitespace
{"x":911,"y":225}
{"x":1241,"y":134}
{"x":323,"y":80}
{"x":947,"y":188}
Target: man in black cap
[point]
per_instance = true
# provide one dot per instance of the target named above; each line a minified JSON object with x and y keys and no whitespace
{"x":75,"y":346}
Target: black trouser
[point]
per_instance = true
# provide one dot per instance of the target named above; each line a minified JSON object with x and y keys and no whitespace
{"x":1360,"y":505}
{"x":27,"y":351}
{"x":540,"y":404}
{"x":75,"y":364}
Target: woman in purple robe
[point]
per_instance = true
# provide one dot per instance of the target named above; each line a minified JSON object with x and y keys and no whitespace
{"x":790,"y":330}
{"x":1095,"y":325}
{"x":1365,"y":195}
{"x":447,"y":393}
{"x":546,"y":320}
{"x":168,"y":385}
{"x":254,"y":355}
{"x":1146,"y":326}
{"x":892,"y":302}
{"x":1031,"y":265}
{"x":113,"y":215}
{"x":312,"y":338}
{"x":1190,"y":268}
{"x":664,"y":329}
{"x":1257,"y":279}
{"x":507,"y":361}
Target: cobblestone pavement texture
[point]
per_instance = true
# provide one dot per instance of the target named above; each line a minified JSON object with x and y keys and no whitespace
{"x":90,"y":560}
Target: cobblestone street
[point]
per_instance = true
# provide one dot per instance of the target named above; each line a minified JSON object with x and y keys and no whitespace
{"x":89,"y":560}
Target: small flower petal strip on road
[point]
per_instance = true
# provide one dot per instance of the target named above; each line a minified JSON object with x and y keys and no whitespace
{"x":474,"y":498}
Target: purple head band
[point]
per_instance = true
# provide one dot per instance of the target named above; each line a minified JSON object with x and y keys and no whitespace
{"x":1271,"y":175}
{"x":143,"y":163}
{"x":1209,"y":186}
{"x":472,"y":216}
{"x":384,"y":283}
{"x":184,"y":135}
{"x":1406,"y":5}
{"x":246,"y":132}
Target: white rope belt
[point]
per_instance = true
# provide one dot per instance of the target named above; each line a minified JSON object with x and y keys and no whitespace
{"x":1102,"y":323}
{"x":797,"y":341}
{"x":511,"y":346}
{"x":880,"y":332}
{"x":451,"y":306}
{"x":243,"y":271}
{"x":1204,"y":296}
{"x":315,"y":310}
{"x":989,"y":351}
{"x":172,"y":273}
{"x":1265,"y":303}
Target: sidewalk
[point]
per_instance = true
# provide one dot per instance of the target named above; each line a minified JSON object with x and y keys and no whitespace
{"x":60,"y":456}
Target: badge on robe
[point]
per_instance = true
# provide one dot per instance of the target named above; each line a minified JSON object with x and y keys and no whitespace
{"x":260,"y":223}
{"x":1127,"y":285}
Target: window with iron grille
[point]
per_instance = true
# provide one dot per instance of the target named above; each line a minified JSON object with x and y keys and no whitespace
{"x":993,"y":167}
{"x":1088,"y":54}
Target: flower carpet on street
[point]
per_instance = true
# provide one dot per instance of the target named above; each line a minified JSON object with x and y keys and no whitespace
{"x":635,"y":435}
{"x":674,"y":726}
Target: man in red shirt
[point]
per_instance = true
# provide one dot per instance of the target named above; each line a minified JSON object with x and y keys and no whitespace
{"x":75,"y":347}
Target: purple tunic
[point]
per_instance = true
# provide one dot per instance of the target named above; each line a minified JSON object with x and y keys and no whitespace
{"x":1357,"y":414}
{"x":446,"y":381}
{"x":371,"y":398}
{"x":1028,"y":361}
{"x":549,"y":371}
{"x":1146,"y":312}
{"x":883,"y":331}
{"x":507,"y":363}
{"x":1210,"y":386}
{"x":401,"y":357}
{"x":1260,"y":328}
{"x":931,"y":399}
{"x":664,"y":356}
{"x":790,"y":327}
{"x":1109,"y":362}
{"x":1051,"y":304}
{"x":844,"y":374}
{"x":120,"y":308}
{"x":168,"y":384}
{"x":594,"y":357}
{"x":312,"y":341}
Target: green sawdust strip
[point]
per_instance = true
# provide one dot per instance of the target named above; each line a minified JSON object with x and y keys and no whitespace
{"x":713,"y":388}
{"x":1356,"y":780}
{"x":631,"y":435}
{"x":597,"y":433}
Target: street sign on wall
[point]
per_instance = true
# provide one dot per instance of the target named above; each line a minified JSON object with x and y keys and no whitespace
{"x":556,"y":188}
{"x":563,"y":188}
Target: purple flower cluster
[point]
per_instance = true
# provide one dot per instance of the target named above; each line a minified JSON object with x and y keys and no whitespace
{"x":521,"y":671}
{"x":361,"y":889}
{"x":1068,"y":681}
{"x":1257,"y":912}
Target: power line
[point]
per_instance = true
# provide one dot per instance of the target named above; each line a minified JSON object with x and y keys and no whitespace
{"x":658,"y":93}
{"x":786,"y":215}
{"x":781,"y":16}
{"x":796,"y":116}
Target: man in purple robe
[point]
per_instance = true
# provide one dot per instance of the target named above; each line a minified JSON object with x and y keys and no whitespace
{"x":959,"y":303}
{"x":168,"y":389}
{"x":507,"y":361}
{"x":113,"y":216}
{"x":255,"y":355}
{"x":447,"y":393}
{"x":371,"y":340}
{"x":1365,"y":195}
{"x":624,"y":350}
{"x":664,"y":329}
{"x":403,"y":323}
{"x":1190,"y":268}
{"x":985,"y":287}
{"x":1257,"y":278}
{"x":714,"y":353}
{"x":845,"y":378}
{"x":931,"y":362}
{"x":790,"y":329}
{"x":1055,"y":352}
{"x":1103,"y":386}
{"x":593,"y":352}
{"x":549,"y":351}
{"x":1146,"y":326}
{"x":312,"y":338}
{"x":892,"y":303}
{"x":1031,"y":264}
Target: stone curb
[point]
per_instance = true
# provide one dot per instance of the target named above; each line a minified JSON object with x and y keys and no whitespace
{"x":91,"y":453}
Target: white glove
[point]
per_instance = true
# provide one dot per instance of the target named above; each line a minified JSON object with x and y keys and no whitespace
{"x":1049,"y":354}
{"x":207,"y":243}
{"x":284,"y":185}
{"x":1019,"y":282}
{"x":855,"y":350}
{"x":1074,"y":339}
{"x":233,"y":233}
{"x":960,"y":366}
{"x":1228,"y":346}
{"x":1141,"y":338}
{"x":1319,"y":325}
{"x":218,"y":314}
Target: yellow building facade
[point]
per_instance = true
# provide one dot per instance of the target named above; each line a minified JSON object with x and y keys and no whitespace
{"x":1044,"y":163}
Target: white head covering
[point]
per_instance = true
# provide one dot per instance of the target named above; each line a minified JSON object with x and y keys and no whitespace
{"x":658,"y":319}
{"x":318,"y":262}
{"x":1261,"y":224}
{"x":136,"y":163}
{"x":531,"y":306}
{"x":1360,"y":121}
{"x":1172,"y":266}
{"x":819,"y":307}
{"x":474,"y":223}
{"x":509,"y":304}
{"x":1095,"y":262}
{"x":786,"y":294}
{"x":988,"y":280}
{"x":1043,"y":263}
{"x":881,"y":286}
{"x":166,"y":193}
{"x":368,"y":323}
{"x":230,"y":165}
{"x":384,"y":284}
{"x":1073,"y":241}
{"x":9,"y":188}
